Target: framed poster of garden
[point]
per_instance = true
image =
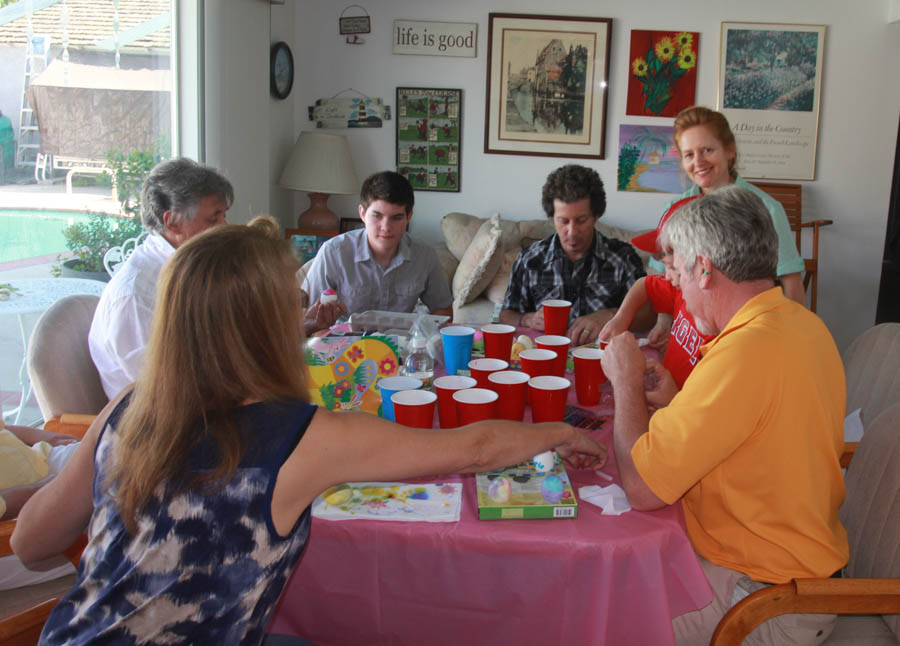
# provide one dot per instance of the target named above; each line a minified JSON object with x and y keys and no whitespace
{"x":547,"y":79}
{"x":770,"y":88}
{"x":429,"y":124}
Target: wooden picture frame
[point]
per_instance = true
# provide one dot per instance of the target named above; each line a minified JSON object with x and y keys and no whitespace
{"x":547,"y":82}
{"x":351,"y":224}
{"x":429,"y":138}
{"x":770,"y":89}
{"x":305,"y":243}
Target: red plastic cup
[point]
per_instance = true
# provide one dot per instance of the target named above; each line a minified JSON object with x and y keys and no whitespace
{"x":498,"y":340}
{"x":559,"y":345}
{"x":481,"y":368}
{"x":414,"y":408}
{"x":537,"y":362}
{"x":548,"y":396}
{"x":511,"y":387}
{"x":475,"y":405}
{"x":444,"y":387}
{"x":588,"y":375}
{"x":556,"y":316}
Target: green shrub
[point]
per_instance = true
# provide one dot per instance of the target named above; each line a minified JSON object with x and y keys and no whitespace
{"x":91,"y":241}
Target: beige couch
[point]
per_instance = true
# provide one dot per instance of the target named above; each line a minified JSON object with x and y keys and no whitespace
{"x":478,"y":254}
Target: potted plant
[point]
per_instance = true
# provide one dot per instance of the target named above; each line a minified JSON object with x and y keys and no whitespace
{"x":92,"y":240}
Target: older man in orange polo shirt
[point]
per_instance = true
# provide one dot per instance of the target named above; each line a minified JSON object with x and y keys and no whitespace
{"x":751,"y":444}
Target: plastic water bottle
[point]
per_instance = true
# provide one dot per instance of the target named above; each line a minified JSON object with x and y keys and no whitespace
{"x":419,"y":363}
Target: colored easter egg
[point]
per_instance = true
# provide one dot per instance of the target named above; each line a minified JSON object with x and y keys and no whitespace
{"x":543,"y":462}
{"x":552,"y":489}
{"x":500,"y":489}
{"x":338,"y":494}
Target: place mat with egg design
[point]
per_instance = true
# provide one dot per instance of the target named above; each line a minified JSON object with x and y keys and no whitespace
{"x":432,"y":503}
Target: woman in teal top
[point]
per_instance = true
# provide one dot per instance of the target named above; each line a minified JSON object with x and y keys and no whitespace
{"x":708,"y":156}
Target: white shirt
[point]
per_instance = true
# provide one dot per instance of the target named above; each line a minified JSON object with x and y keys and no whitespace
{"x":121,"y":326}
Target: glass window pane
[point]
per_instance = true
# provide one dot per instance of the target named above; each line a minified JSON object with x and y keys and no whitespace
{"x":87,"y":92}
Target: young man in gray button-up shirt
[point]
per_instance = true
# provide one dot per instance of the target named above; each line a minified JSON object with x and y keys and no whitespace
{"x":381,"y":267}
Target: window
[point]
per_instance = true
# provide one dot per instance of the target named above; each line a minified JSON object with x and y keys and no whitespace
{"x":82,"y":83}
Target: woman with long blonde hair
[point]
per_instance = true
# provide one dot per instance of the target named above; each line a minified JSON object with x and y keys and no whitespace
{"x":195,"y":486}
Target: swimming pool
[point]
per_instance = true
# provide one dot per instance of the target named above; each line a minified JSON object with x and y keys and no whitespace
{"x":28,"y":233}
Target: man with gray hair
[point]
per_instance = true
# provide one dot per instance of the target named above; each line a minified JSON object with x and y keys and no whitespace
{"x":179,"y":199}
{"x":751,"y":444}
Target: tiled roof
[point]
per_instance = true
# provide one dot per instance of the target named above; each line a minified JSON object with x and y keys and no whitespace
{"x":90,"y":22}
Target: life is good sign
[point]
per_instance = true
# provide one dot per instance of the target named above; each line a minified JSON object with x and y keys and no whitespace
{"x":435,"y":38}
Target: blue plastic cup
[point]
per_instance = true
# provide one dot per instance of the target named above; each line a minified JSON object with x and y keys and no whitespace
{"x":457,"y":341}
{"x":390,"y":385}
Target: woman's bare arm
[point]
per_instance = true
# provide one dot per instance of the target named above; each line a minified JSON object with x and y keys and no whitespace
{"x":342,"y":447}
{"x":60,"y":511}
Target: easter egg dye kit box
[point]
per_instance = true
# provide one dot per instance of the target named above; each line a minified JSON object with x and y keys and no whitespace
{"x":521,"y":492}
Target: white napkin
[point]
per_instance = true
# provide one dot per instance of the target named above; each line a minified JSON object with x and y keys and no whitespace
{"x":611,"y":499}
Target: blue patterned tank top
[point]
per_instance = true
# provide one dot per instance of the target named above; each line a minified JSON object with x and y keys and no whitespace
{"x":203,"y":568}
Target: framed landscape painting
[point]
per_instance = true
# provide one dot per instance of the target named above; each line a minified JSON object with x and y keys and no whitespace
{"x":770,"y":87}
{"x":547,"y":79}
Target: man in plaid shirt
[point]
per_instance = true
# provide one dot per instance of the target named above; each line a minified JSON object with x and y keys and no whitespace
{"x":576,"y":264}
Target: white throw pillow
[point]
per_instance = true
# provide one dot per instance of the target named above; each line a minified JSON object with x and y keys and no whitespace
{"x":496,"y":289}
{"x":448,"y":261}
{"x":459,"y":230}
{"x":479,"y":264}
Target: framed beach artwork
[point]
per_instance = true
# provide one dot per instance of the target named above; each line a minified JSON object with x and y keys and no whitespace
{"x":305,"y":243}
{"x":350,"y":224}
{"x":429,"y":137}
{"x":662,"y":75}
{"x":648,"y":160}
{"x":547,"y":79}
{"x":770,"y":88}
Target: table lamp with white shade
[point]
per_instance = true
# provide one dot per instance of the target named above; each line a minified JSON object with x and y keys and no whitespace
{"x":320,"y":164}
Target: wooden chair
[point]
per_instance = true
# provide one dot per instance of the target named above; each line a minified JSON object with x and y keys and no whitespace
{"x":35,"y":602}
{"x":867,"y":599}
{"x":21,"y":624}
{"x":791,"y":198}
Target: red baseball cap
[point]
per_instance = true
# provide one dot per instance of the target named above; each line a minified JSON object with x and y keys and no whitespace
{"x":647,"y":241}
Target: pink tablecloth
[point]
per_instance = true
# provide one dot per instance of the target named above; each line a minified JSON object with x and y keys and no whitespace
{"x":592,"y":580}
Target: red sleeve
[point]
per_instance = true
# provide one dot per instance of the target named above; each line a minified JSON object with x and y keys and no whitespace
{"x":662,"y":294}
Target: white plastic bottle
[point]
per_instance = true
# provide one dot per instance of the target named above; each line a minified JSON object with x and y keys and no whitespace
{"x":419,"y":363}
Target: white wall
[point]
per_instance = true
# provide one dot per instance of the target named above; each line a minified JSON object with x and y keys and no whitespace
{"x":245,"y":127}
{"x":857,"y":128}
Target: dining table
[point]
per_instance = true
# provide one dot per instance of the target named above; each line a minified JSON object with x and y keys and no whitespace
{"x":591,"y":580}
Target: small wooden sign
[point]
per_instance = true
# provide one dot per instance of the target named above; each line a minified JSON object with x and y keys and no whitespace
{"x":435,"y":38}
{"x":355,"y":25}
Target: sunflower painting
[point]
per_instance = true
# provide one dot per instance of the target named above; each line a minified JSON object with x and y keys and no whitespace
{"x":662,"y":78}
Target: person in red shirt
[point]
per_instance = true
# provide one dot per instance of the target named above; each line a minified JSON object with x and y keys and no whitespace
{"x":682,"y":349}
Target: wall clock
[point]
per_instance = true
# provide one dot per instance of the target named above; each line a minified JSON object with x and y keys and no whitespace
{"x":281,"y":70}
